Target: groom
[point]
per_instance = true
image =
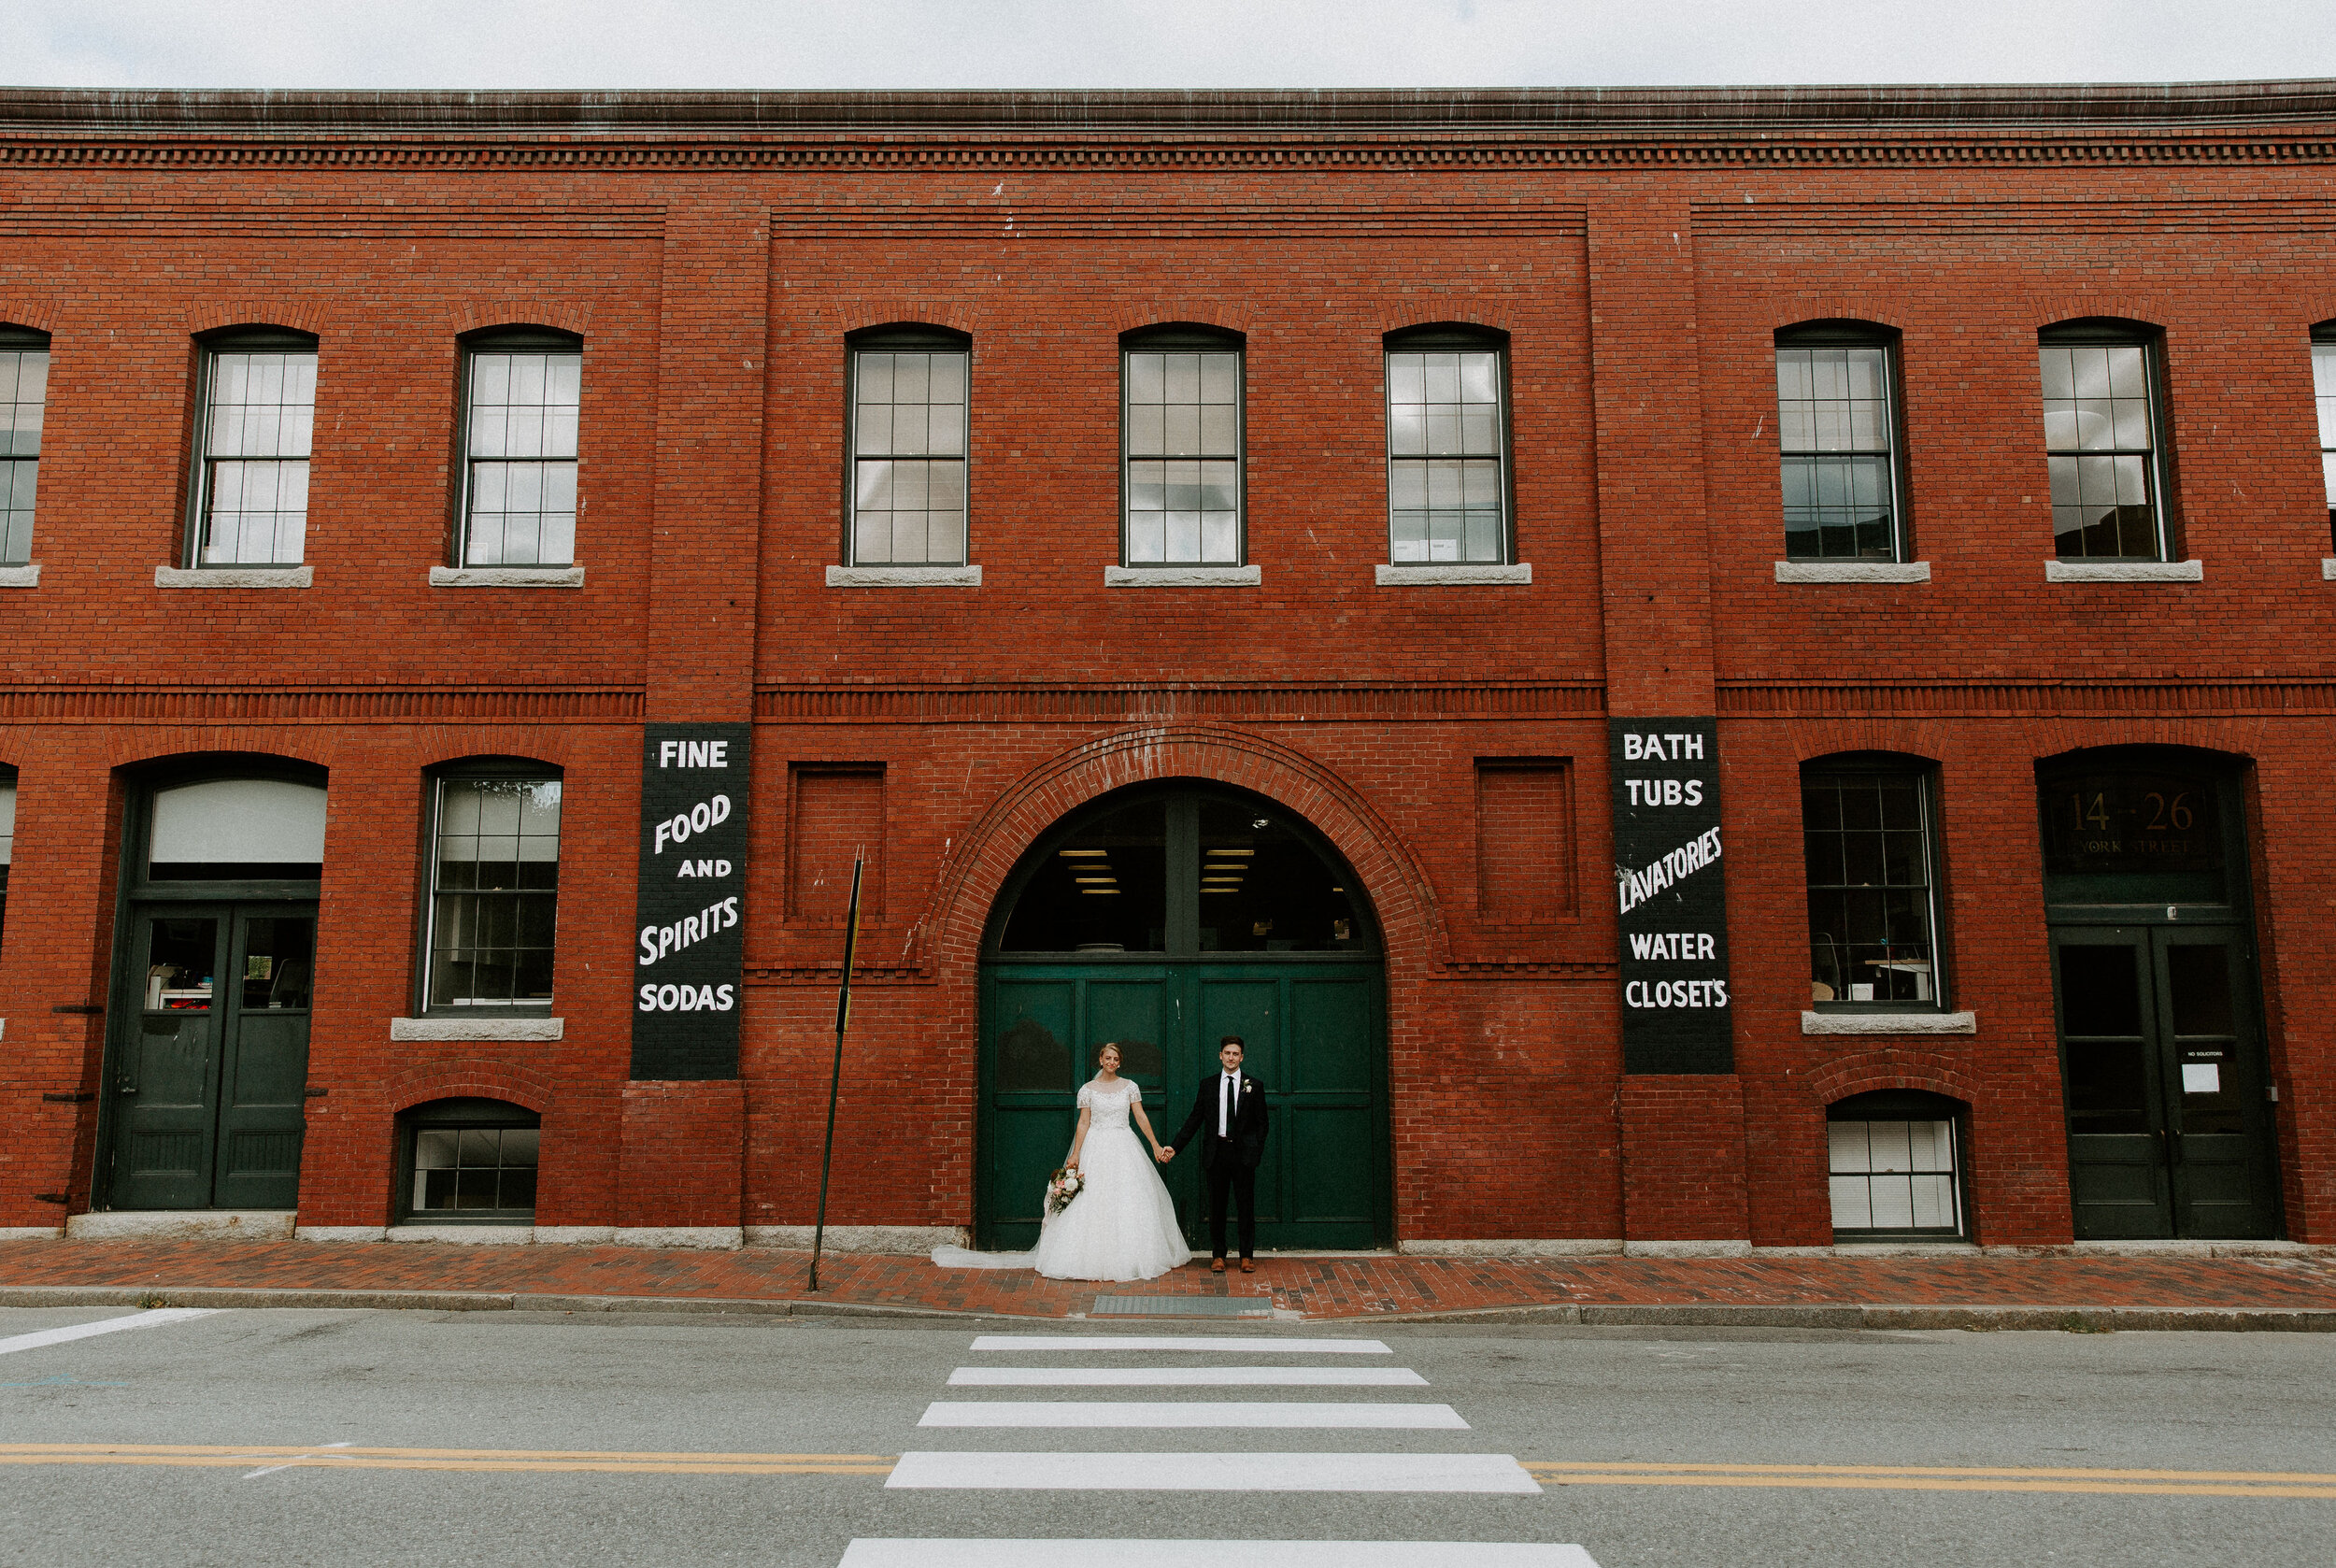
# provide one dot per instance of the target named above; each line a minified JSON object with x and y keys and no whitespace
{"x":1232,"y":1107}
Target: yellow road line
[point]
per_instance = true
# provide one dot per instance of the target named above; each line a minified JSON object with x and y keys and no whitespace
{"x":2010,"y":1472}
{"x":2129,"y":1483}
{"x":263,"y":1450}
{"x":209,"y":1456}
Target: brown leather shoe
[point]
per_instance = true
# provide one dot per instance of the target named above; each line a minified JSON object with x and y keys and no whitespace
{"x":1247,"y":1267}
{"x":1217,"y":1265}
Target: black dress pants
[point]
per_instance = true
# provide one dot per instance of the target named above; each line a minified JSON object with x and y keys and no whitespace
{"x":1228,"y":1178}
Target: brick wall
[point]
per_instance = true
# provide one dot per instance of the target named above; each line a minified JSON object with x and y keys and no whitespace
{"x":1640,"y":287}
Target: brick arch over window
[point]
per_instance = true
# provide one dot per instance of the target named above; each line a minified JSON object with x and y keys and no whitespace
{"x":976,"y":871}
{"x":1215,"y":315}
{"x":518,"y":315}
{"x":21,"y":310}
{"x":1445,"y":316}
{"x":279,"y":750}
{"x":468,"y":1079}
{"x":2124,"y":310}
{"x":1891,"y":1067}
{"x":261,"y":313}
{"x":1853,"y":308}
{"x":906,"y":313}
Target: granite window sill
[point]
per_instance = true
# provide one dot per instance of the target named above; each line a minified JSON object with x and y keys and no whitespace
{"x":1182,"y":576}
{"x":506,"y":577}
{"x":477,"y":1029}
{"x":1889,"y":1023}
{"x":234,"y":576}
{"x":2328,"y":568}
{"x":903,"y":577}
{"x":2124,"y":571}
{"x":1452,"y":575}
{"x":26,"y":575}
{"x":1853,"y":571}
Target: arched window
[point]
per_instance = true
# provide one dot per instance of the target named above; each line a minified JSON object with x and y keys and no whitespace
{"x":1181,"y":446}
{"x":1894,"y":1166}
{"x":24,"y":401}
{"x":2105,"y":440}
{"x":248,"y":505}
{"x":1447,"y":469}
{"x":910,"y":399}
{"x":2324,"y":398}
{"x":494,"y":888}
{"x":467,"y":1162}
{"x":522,"y":392}
{"x":1838,"y":441}
{"x":7,"y":836}
{"x":1871,"y":852}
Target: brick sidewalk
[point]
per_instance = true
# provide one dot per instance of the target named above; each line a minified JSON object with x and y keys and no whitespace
{"x":1346,"y":1286}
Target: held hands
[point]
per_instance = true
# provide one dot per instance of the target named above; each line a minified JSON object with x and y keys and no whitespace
{"x":1163,"y":1153}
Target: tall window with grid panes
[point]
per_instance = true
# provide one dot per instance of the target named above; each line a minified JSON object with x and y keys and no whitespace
{"x":909,"y":401}
{"x":522,"y":392}
{"x":2104,"y":441}
{"x":494,"y":889}
{"x":23,"y":402}
{"x":1837,"y":440}
{"x":1447,"y":481}
{"x":1866,"y":833}
{"x":1181,"y":393}
{"x":251,"y":495}
{"x":2324,"y":397}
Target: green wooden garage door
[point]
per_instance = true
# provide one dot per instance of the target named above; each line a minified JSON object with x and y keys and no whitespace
{"x":1315,"y":1038}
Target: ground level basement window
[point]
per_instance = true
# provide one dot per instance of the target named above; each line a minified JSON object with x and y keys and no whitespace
{"x":469,"y":1162}
{"x":1895,"y":1167}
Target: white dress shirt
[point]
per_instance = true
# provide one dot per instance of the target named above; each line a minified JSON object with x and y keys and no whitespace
{"x":1228,"y":1102}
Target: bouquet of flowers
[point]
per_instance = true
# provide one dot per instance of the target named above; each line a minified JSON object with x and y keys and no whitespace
{"x":1063,"y":1185}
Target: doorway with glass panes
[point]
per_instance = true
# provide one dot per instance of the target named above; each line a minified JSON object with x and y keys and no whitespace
{"x":2157,"y":996}
{"x":1163,"y":918}
{"x":213,"y":984}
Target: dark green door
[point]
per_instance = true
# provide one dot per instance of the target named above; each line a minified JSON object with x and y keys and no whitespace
{"x":2169,"y":1122}
{"x":210,"y":1057}
{"x":1314,"y":1036}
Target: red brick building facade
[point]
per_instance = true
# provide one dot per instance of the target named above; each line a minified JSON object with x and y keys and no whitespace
{"x":1432,"y":713}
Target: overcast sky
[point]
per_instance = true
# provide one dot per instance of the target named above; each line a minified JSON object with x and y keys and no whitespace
{"x":1163,"y":43}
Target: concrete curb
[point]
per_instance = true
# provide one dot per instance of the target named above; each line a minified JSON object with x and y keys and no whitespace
{"x":1981,"y":1320}
{"x":460,"y":1301}
{"x":1838,"y":1316}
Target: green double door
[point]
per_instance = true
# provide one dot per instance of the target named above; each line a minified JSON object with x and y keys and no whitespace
{"x":2170,"y":1128}
{"x":209,"y":1057}
{"x":1315,"y":1035}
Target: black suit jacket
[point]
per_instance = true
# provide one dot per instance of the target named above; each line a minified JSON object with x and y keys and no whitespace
{"x":1247,"y":1143}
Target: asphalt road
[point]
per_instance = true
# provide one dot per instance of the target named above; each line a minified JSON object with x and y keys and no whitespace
{"x":511,"y":1439}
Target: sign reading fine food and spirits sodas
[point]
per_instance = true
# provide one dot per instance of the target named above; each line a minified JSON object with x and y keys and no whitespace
{"x":690,"y":947}
{"x":1671,"y":894}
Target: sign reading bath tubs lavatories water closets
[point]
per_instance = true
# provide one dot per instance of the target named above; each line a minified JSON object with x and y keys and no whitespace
{"x":1671,"y":894}
{"x":688,"y":952}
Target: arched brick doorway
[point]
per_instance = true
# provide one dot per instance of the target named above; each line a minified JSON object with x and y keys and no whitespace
{"x":1164,"y":916}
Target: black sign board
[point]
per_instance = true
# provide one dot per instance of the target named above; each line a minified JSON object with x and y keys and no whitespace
{"x":688,"y":952}
{"x":1671,"y":892}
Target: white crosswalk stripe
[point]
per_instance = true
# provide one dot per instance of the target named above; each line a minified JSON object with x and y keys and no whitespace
{"x":1212,"y":1412}
{"x":1206,"y":1472}
{"x":1186,"y":1378}
{"x":1220,"y":1345}
{"x":1058,"y":1553}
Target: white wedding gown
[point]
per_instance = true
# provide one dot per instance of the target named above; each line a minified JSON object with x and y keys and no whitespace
{"x":1122,"y":1226}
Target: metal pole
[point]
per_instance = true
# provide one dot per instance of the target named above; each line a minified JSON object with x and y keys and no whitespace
{"x":835,"y":1078}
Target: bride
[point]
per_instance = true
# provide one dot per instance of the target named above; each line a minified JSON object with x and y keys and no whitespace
{"x":1123,"y":1224}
